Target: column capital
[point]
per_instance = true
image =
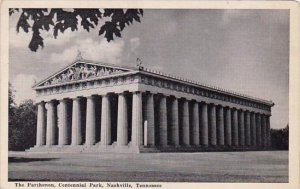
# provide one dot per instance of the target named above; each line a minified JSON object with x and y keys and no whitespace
{"x":162,"y":94}
{"x":264,"y":115}
{"x":149,"y":92}
{"x":136,"y":92}
{"x":184,"y":98}
{"x":122,"y":92}
{"x":63,"y":100}
{"x":49,"y":104}
{"x":212,"y":104}
{"x":241,"y":110}
{"x":91,"y":97}
{"x":220,"y":106}
{"x":226,"y":107}
{"x":105,"y":94}
{"x":40,"y":103}
{"x":76,"y":98}
{"x":196,"y":102}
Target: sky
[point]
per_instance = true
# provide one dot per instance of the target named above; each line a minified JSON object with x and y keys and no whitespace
{"x":246,"y":51}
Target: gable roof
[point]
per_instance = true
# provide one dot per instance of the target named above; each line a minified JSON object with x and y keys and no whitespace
{"x":82,"y":70}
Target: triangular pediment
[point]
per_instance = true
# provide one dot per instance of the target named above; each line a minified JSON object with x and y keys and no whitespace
{"x":82,"y":70}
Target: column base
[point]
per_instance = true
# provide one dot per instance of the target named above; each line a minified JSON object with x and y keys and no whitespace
{"x":88,"y":144}
{"x":98,"y":149}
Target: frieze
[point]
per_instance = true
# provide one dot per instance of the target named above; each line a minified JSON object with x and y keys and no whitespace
{"x":163,"y":83}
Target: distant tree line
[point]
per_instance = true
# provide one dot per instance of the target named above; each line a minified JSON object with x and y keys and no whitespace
{"x":280,"y":138}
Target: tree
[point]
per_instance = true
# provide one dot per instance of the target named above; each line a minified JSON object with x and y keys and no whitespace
{"x":11,"y":102}
{"x":59,"y":20}
{"x":22,"y":128}
{"x":12,"y":121}
{"x":27,"y":121}
{"x":280,"y":138}
{"x":22,"y":123}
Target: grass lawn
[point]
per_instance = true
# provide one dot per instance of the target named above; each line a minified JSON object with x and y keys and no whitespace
{"x":255,"y":166}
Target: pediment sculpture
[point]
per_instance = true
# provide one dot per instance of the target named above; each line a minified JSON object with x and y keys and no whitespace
{"x":82,"y":71}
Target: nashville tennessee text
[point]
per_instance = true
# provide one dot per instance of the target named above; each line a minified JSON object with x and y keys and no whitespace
{"x":89,"y":185}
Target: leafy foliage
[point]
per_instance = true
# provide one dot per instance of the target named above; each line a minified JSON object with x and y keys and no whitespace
{"x":59,"y":20}
{"x":22,"y":124}
{"x":11,"y":102}
{"x":280,"y":138}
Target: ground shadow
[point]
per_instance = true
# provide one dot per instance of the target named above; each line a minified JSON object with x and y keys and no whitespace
{"x":23,"y":160}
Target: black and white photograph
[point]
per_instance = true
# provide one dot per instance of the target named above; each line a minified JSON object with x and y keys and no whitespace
{"x":143,"y":97}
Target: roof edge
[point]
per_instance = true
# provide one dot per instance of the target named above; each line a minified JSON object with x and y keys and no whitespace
{"x":203,"y":85}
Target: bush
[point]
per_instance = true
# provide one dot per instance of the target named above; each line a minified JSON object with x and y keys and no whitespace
{"x":280,"y":138}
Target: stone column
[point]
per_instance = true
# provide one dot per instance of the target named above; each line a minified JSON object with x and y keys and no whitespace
{"x":105,"y":121}
{"x":195,"y":128}
{"x":268,"y":132}
{"x":175,"y":122}
{"x":228,"y":138}
{"x":150,"y":120}
{"x":204,"y":125}
{"x":241,"y":128}
{"x":62,"y":123}
{"x":163,"y":135}
{"x":122,"y":127}
{"x":258,"y":129}
{"x":76,"y":122}
{"x":137,"y":121}
{"x":185,"y":123}
{"x":247,"y":129}
{"x":212,"y":125}
{"x":41,"y":125}
{"x":235,"y":137}
{"x":264,"y":131}
{"x":50,"y":140}
{"x":90,"y":121}
{"x":253,"y":129}
{"x":220,"y":127}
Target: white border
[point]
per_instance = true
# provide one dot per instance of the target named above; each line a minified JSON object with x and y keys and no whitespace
{"x":294,"y":84}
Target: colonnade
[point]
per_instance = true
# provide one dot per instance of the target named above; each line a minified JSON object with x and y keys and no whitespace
{"x":146,"y":119}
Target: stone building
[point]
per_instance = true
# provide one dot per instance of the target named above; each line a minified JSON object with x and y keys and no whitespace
{"x":95,"y":107}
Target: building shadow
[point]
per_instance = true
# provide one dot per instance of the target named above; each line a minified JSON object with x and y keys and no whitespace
{"x":24,"y":160}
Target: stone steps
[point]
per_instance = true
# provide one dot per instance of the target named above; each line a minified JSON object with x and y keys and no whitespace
{"x":98,"y":148}
{"x":196,"y":149}
{"x":57,"y":149}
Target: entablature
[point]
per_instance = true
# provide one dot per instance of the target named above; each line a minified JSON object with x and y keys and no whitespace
{"x":181,"y":86}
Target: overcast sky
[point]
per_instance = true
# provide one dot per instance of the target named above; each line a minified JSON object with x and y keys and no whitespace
{"x":242,"y":50}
